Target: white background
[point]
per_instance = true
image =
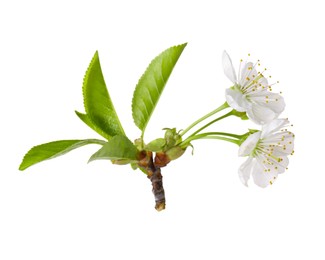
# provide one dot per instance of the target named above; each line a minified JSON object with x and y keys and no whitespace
{"x":68,"y":209}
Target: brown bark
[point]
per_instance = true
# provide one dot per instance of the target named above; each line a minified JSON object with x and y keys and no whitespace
{"x":154,"y":175}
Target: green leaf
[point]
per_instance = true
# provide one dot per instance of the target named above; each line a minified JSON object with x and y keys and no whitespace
{"x":54,"y":149}
{"x":118,"y":147}
{"x":85,"y":118}
{"x":151,"y":85}
{"x":98,"y":105}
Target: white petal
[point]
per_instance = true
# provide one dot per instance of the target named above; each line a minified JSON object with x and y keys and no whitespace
{"x":249,"y":144}
{"x":276,"y":102}
{"x":247,"y":74}
{"x":273,"y":101}
{"x":277,"y":164}
{"x":260,"y":114}
{"x":261,"y":176}
{"x":236,"y":100}
{"x":228,"y":68}
{"x":245,"y":170}
{"x":283,"y":164}
{"x":274,"y":126}
{"x":262,"y":83}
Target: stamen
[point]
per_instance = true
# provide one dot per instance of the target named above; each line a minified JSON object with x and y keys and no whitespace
{"x":239,"y":69}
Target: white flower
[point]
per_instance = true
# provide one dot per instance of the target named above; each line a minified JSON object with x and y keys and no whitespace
{"x":268,"y":152}
{"x":250,"y":92}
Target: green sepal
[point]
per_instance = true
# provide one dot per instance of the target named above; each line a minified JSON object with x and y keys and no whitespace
{"x":118,"y":148}
{"x":54,"y":149}
{"x":175,"y":152}
{"x":241,"y":115}
{"x":151,"y":84}
{"x":172,"y":137}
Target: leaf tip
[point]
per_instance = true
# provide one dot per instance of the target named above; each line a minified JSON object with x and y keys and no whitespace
{"x":24,"y":164}
{"x":92,"y":158}
{"x":151,"y":84}
{"x":21,"y":167}
{"x":181,"y":46}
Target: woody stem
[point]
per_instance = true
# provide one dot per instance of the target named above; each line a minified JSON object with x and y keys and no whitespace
{"x":154,"y":175}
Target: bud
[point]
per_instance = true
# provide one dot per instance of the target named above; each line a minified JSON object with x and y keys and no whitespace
{"x":161,"y":159}
{"x":139,"y":144}
{"x":172,"y":138}
{"x":175,"y":152}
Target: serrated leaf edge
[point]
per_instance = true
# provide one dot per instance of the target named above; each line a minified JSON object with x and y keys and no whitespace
{"x":84,"y":94}
{"x":134,"y":107}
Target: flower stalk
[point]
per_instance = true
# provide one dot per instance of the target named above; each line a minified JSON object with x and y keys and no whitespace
{"x":222,"y":107}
